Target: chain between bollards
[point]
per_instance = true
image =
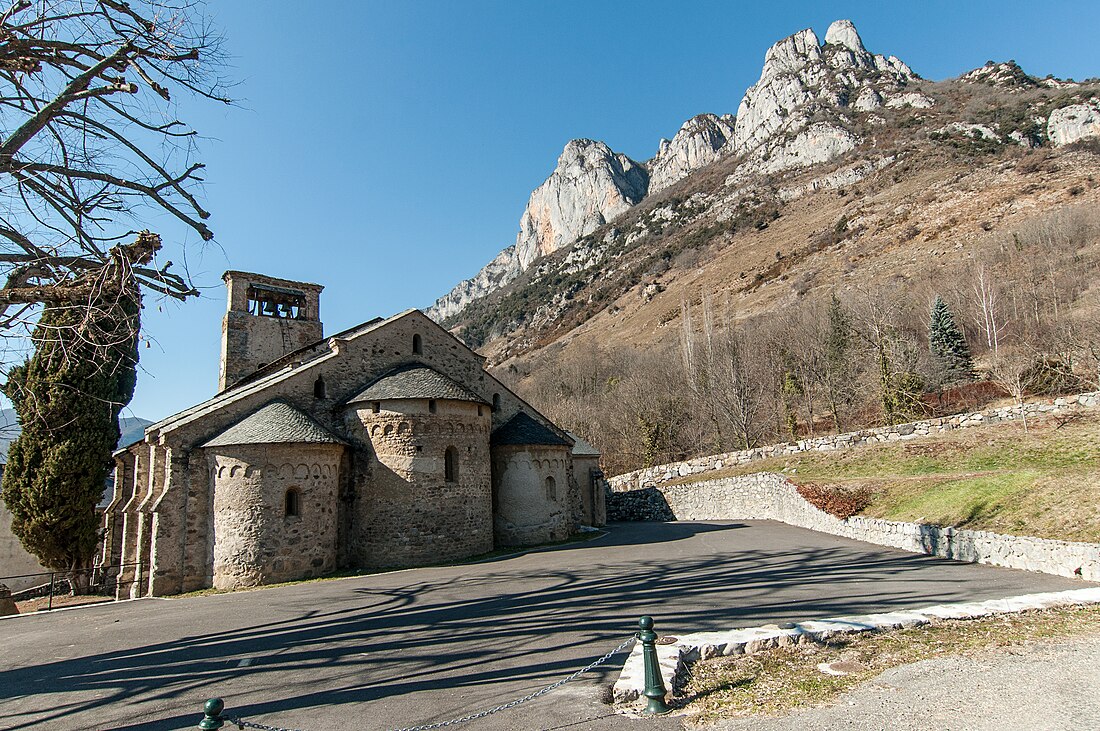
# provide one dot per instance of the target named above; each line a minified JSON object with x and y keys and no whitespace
{"x":654,"y":683}
{"x":654,"y":690}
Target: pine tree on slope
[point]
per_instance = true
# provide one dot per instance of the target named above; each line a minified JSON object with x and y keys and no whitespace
{"x":950,"y":352}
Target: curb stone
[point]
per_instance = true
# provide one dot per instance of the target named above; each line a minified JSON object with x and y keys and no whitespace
{"x":676,"y":658}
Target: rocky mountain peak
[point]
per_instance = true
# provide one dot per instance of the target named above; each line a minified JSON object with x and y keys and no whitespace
{"x":803,"y":80}
{"x":843,"y":33}
{"x":591,"y":185}
{"x":700,"y":141}
{"x":791,"y":55}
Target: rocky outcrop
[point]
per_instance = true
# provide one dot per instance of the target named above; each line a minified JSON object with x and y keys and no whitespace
{"x":779,"y":120}
{"x":700,"y":141}
{"x":497,"y":273}
{"x":590,"y":186}
{"x":820,"y":142}
{"x":793,"y":116}
{"x":1074,"y":122}
{"x":1006,"y":75}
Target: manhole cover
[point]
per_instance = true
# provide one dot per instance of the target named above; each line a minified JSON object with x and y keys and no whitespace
{"x":667,"y":640}
{"x":840,"y":668}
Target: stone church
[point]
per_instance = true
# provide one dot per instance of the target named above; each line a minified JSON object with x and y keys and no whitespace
{"x":385,"y":445}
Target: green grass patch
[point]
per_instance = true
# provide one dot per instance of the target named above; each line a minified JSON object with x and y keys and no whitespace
{"x":1044,"y":482}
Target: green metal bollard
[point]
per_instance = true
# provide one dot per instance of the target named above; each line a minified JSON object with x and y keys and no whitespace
{"x":213,"y":714}
{"x":654,"y":683}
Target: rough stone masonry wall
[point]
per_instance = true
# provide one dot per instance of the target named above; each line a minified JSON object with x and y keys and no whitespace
{"x":407,"y":513}
{"x":769,"y":496}
{"x":912,"y":430}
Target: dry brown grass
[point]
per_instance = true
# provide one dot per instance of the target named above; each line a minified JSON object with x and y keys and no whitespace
{"x":778,"y":681}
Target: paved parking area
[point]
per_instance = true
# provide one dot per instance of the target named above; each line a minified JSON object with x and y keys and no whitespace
{"x":395,"y":650}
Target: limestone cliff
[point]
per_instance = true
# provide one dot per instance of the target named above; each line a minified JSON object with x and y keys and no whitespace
{"x":791,"y":116}
{"x":591,"y":185}
{"x":700,"y":141}
{"x":1074,"y":122}
{"x":816,"y":101}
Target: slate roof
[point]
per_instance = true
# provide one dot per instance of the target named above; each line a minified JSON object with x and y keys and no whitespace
{"x":581,"y":448}
{"x":522,"y":429}
{"x":415,"y":380}
{"x":276,"y":423}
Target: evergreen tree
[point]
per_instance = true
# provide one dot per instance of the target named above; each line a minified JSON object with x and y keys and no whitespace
{"x":950,"y":353}
{"x":67,"y":397}
{"x":837,"y":375}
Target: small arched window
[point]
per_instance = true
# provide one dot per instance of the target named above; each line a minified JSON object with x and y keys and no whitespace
{"x":319,"y":389}
{"x":450,"y":465}
{"x":375,"y":407}
{"x":496,"y":402}
{"x":418,"y":345}
{"x":431,"y":406}
{"x":551,"y":489}
{"x":292,"y":503}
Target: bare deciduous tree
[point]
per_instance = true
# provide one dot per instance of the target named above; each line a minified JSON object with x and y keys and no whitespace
{"x":92,"y":147}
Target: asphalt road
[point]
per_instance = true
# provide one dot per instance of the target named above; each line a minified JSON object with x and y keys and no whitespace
{"x":395,"y":650}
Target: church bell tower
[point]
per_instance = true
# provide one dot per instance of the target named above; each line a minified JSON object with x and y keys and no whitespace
{"x":266,"y":318}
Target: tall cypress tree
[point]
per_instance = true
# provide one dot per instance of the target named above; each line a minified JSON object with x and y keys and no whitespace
{"x":950,"y":352}
{"x":68,"y":396}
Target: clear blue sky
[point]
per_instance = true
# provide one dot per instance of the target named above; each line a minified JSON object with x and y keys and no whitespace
{"x":386,"y":149}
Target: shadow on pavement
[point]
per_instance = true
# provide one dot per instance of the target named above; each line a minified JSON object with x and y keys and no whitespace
{"x":517,"y":623}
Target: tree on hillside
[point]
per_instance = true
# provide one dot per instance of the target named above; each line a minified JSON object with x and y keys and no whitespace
{"x":951,"y":357}
{"x":838,"y":370}
{"x":92,"y":150}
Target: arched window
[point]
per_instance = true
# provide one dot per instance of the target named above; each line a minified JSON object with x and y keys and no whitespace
{"x":292,"y":503}
{"x":450,"y":465}
{"x":551,"y":489}
{"x":496,"y":402}
{"x":431,"y":406}
{"x":319,"y":390}
{"x":418,"y":345}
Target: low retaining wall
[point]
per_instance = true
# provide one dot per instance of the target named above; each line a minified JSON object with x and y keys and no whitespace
{"x":769,"y":496}
{"x":913,"y":430}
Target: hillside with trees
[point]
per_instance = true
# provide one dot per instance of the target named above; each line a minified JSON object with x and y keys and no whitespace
{"x":943,"y":254}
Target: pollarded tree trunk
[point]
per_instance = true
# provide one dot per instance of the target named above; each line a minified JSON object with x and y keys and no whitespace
{"x":67,"y":397}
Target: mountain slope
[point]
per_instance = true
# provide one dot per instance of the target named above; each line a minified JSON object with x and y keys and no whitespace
{"x":832,"y":108}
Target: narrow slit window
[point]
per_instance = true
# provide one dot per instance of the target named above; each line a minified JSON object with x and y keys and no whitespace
{"x":496,"y":402}
{"x":319,"y":389}
{"x":431,"y":406}
{"x":551,"y":489}
{"x":450,"y":465}
{"x":418,"y":345}
{"x":292,"y":506}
